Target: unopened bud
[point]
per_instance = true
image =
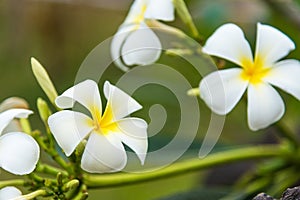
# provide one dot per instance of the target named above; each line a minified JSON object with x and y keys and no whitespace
{"x":43,"y":79}
{"x":44,"y":110}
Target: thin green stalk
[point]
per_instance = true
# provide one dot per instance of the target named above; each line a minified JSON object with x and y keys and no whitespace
{"x":186,"y":17}
{"x":190,"y":165}
{"x":14,"y":182}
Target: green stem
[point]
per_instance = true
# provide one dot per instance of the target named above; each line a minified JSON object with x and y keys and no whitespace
{"x":52,"y":152}
{"x":50,"y":169}
{"x":82,"y":194}
{"x":72,"y":184}
{"x":191,"y":165}
{"x":14,"y":182}
{"x":186,"y":17}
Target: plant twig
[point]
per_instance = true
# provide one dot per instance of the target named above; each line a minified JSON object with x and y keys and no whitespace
{"x":229,"y":156}
{"x":50,"y":169}
{"x":14,"y":182}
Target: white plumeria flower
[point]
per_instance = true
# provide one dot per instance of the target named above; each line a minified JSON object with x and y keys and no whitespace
{"x":10,"y":193}
{"x":135,"y":43}
{"x":104,"y":151}
{"x":19,"y":152}
{"x":221,"y":90}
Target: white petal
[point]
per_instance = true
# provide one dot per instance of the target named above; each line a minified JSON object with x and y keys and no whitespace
{"x":86,"y":93}
{"x":141,"y":47}
{"x":272,"y":44}
{"x":9,"y":192}
{"x":103,"y":154}
{"x":285,"y":75}
{"x":221,"y":90}
{"x":229,"y":42}
{"x":117,"y":43}
{"x":265,"y":106}
{"x":19,"y":153}
{"x":7,"y":116}
{"x":69,"y":129}
{"x":133,"y":133}
{"x":118,"y":102}
{"x":160,"y":10}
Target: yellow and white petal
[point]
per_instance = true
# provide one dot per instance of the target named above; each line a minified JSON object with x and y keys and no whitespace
{"x":271,"y":44}
{"x":119,"y":104}
{"x":133,"y":133}
{"x":9,"y":193}
{"x":160,"y":10}
{"x":265,"y":106}
{"x":117,"y":43}
{"x":85,"y":93}
{"x":19,"y":153}
{"x":141,"y":47}
{"x":221,"y":90}
{"x":285,"y":75}
{"x":229,"y":42}
{"x":7,"y":116}
{"x":103,"y":154}
{"x":69,"y":129}
{"x":136,"y":12}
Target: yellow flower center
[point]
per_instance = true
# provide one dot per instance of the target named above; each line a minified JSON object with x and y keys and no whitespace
{"x":140,"y":17}
{"x":254,"y":72}
{"x":104,"y":124}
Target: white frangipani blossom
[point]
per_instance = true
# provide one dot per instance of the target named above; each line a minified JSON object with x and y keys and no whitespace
{"x":104,"y":151}
{"x":221,"y":90}
{"x":135,"y":43}
{"x":10,"y":193}
{"x":19,"y":152}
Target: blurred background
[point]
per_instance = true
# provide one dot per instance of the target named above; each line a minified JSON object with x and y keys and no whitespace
{"x":61,"y":33}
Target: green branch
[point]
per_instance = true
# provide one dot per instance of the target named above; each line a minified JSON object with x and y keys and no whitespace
{"x":187,"y":166}
{"x":52,"y":152}
{"x":15,"y":182}
{"x":50,"y":169}
{"x":186,"y":17}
